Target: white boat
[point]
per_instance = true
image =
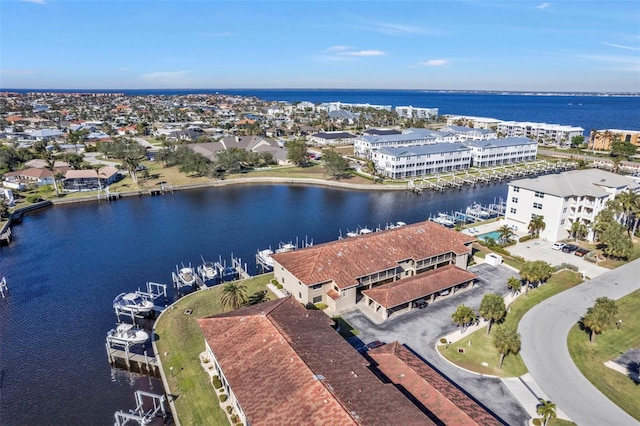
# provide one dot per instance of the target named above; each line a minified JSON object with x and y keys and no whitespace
{"x":186,"y":276}
{"x":444,"y":219}
{"x":208,"y":270}
{"x":132,"y":303}
{"x":285,"y":247}
{"x":364,"y":231}
{"x":265,"y":257}
{"x":129,"y":334}
{"x":351,"y":234}
{"x":399,"y":224}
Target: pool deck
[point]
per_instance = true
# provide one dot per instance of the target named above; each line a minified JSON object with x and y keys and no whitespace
{"x":475,"y":231}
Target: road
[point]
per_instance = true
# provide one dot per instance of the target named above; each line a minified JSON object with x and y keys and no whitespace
{"x":544,"y":331}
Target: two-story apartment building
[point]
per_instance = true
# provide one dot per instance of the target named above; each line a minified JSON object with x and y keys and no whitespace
{"x":563,"y":199}
{"x":472,"y":121}
{"x":469,"y":133}
{"x":600,"y":140}
{"x":495,"y":152}
{"x":412,"y":161}
{"x":413,"y":262}
{"x":549,"y":134}
{"x":413,"y":112}
{"x":332,"y":138}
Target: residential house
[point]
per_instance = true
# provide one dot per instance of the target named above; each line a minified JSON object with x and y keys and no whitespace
{"x":21,"y":179}
{"x":340,"y":273}
{"x":563,"y":199}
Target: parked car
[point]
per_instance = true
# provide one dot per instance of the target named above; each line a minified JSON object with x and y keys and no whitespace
{"x":569,"y":248}
{"x":581,"y":252}
{"x":558,"y":246}
{"x":373,"y":345}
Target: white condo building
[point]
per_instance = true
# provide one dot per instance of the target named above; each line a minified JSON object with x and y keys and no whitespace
{"x":549,"y":134}
{"x":494,"y":152}
{"x":472,"y":121}
{"x":365,"y":146}
{"x":413,"y":112}
{"x":563,"y":199}
{"x":406,"y":162}
{"x":469,"y":133}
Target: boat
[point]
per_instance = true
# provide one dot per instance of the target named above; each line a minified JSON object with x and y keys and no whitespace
{"x":364,"y":231}
{"x":285,"y":247}
{"x":208,"y":270}
{"x":444,"y":219}
{"x":127,"y":333}
{"x":186,"y":276}
{"x":132,"y":303}
{"x":265,"y":257}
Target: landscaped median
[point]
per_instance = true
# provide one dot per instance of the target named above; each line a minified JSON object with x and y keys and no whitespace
{"x":476,"y":352}
{"x":590,"y":357}
{"x":179,"y":343}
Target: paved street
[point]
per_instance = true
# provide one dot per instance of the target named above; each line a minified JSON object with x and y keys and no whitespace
{"x":544,"y":331}
{"x":421,"y":329}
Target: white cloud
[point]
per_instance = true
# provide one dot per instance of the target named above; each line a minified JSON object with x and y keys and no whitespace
{"x":34,"y":1}
{"x":363,"y":53}
{"x":390,"y":28}
{"x":620,"y":46}
{"x":339,"y":48}
{"x":543,"y":6}
{"x":18,"y":72}
{"x":435,"y":63}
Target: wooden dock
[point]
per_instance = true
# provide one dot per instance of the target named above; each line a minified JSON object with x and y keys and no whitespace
{"x":121,"y":354}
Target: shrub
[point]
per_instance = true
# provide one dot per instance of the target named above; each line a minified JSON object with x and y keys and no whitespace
{"x":34,"y":198}
{"x":229,"y":409}
{"x":321,"y":306}
{"x":525,"y":238}
{"x":223,"y":397}
{"x":537,"y":422}
{"x":443,"y":341}
{"x":568,"y":266}
{"x":215,"y":380}
{"x":279,"y":286}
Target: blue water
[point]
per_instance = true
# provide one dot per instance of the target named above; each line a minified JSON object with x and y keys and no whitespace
{"x":67,"y":263}
{"x":495,"y":235}
{"x":586,"y":111}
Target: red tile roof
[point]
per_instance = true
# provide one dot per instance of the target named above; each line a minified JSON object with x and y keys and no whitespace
{"x":437,"y":394}
{"x":343,"y":261}
{"x":421,"y":285}
{"x":286,"y":365}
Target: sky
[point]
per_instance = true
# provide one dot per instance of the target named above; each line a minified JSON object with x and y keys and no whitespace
{"x":565,"y":46}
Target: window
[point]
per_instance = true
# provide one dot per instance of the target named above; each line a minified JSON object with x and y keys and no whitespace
{"x":316,"y":287}
{"x":316,"y":299}
{"x":537,"y":206}
{"x":516,"y":189}
{"x":564,"y":210}
{"x":513,"y":211}
{"x":539,"y":194}
{"x":514,"y":200}
{"x":562,"y":222}
{"x":299,"y":295}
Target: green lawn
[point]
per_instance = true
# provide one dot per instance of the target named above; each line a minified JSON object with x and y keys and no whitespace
{"x":590,"y":357}
{"x":179,"y":336}
{"x":482,"y":350}
{"x":611,"y":263}
{"x":346,"y":330}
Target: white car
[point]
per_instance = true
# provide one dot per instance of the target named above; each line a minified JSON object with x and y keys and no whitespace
{"x":557,"y":246}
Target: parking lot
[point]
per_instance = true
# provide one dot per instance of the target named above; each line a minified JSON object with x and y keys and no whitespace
{"x":541,"y":250}
{"x":420,"y":329}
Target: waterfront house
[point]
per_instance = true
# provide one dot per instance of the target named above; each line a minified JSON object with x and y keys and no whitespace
{"x":563,"y":199}
{"x":413,"y":161}
{"x":340,"y":273}
{"x":90,"y":180}
{"x":23,"y":178}
{"x":281,"y":364}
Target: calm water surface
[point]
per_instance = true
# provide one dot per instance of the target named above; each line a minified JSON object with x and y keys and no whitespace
{"x":67,"y":263}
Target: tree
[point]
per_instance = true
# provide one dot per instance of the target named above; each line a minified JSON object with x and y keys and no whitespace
{"x":233,"y":295}
{"x":546,"y":409}
{"x":297,"y":152}
{"x":536,"y":224}
{"x":617,"y":243}
{"x":50,"y":161}
{"x":622,"y":149}
{"x":505,"y":233}
{"x":334,"y":163}
{"x":535,"y":271}
{"x":492,"y":308}
{"x":464,"y":317}
{"x":259,"y":296}
{"x":600,"y":316}
{"x":514,"y":285}
{"x":576,"y":141}
{"x":629,"y":205}
{"x":4,"y":208}
{"x":506,"y":340}
{"x":579,"y":230}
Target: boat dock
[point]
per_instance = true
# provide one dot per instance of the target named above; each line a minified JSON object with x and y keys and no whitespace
{"x":140,"y":414}
{"x":472,"y":214}
{"x":443,"y":181}
{"x":154,"y":292}
{"x":120,"y":353}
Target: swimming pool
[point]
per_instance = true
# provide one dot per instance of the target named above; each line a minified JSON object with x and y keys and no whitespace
{"x":495,"y":235}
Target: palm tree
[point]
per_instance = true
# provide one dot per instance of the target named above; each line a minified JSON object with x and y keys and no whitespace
{"x":464,"y":316}
{"x":628,"y":202}
{"x":233,"y":295}
{"x":492,"y":308}
{"x":546,"y":409}
{"x":579,"y":230}
{"x":506,"y":340}
{"x":505,"y":233}
{"x":50,"y":161}
{"x":514,"y":285}
{"x":599,"y":316}
{"x":259,"y":296}
{"x":536,"y":224}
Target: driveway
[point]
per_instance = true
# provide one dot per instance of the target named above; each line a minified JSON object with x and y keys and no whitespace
{"x":541,"y":250}
{"x":420,"y":329}
{"x":544,"y":331}
{"x":90,"y":157}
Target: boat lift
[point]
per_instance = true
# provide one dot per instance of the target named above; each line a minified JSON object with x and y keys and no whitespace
{"x":153,"y":293}
{"x":139,"y":415}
